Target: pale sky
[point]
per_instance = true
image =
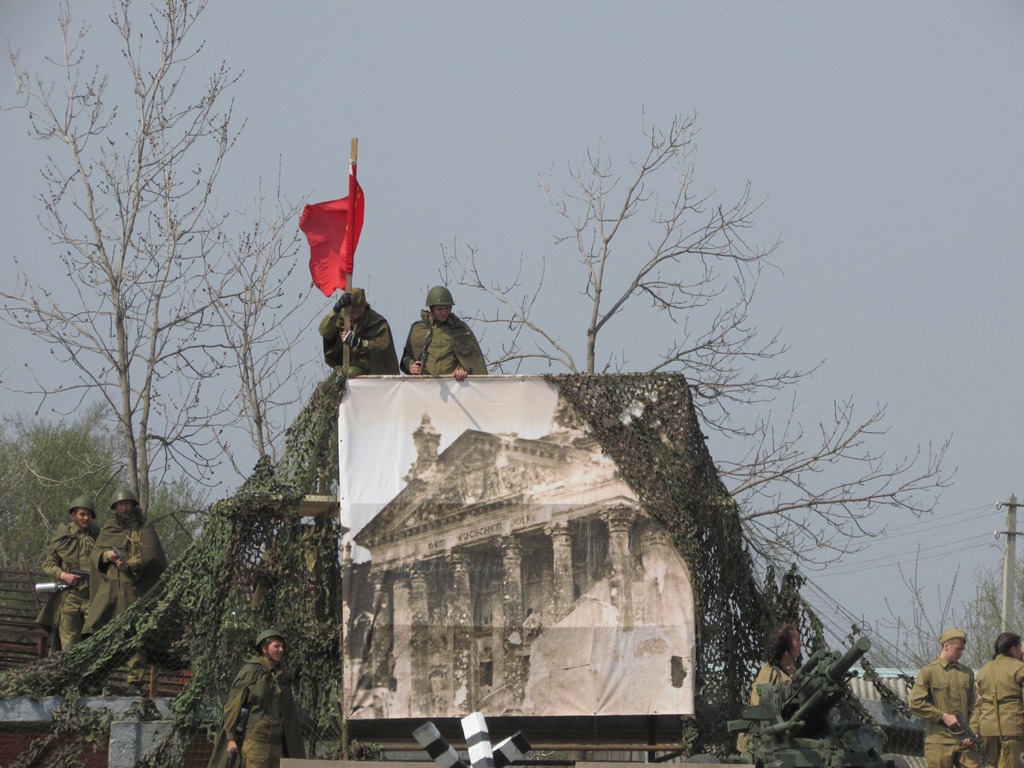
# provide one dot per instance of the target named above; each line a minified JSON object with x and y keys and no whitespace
{"x":885,"y":137}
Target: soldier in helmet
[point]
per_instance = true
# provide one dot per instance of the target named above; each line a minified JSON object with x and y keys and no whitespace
{"x":372,"y":349}
{"x":263,"y":686}
{"x":440,"y":344}
{"x":69,"y":553}
{"x":127,"y":560}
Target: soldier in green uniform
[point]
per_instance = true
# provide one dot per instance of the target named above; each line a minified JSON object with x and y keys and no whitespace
{"x":372,"y":349}
{"x":69,"y":551}
{"x":127,"y":560}
{"x":999,"y":711}
{"x":272,"y":732}
{"x":440,"y":344}
{"x":942,"y":689}
{"x":780,"y":667}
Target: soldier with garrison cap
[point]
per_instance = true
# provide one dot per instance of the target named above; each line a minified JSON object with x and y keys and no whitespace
{"x":263,"y":687}
{"x":440,"y":344}
{"x":372,"y":349}
{"x":942,"y":689}
{"x":999,"y":712}
{"x":126,"y":562}
{"x":69,"y":551}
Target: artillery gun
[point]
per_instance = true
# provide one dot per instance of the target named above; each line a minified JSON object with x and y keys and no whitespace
{"x":796,"y":724}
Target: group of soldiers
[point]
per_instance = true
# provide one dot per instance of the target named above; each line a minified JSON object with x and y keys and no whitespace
{"x":991,"y":704}
{"x":101,"y":571}
{"x":438,"y":344}
{"x":955,"y":704}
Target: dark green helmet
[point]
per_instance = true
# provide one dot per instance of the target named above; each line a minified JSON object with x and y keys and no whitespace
{"x":84,"y":501}
{"x":439,"y":295}
{"x":124,"y":493}
{"x":267,"y":634}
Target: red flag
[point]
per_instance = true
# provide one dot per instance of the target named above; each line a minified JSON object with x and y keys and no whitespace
{"x":330,"y":252}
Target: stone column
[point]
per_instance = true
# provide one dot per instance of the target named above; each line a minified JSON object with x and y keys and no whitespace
{"x":514,"y":668}
{"x":561,"y":545}
{"x":464,"y":657}
{"x":420,"y":641}
{"x":383,"y":630}
{"x":401,"y":591}
{"x":620,"y":581}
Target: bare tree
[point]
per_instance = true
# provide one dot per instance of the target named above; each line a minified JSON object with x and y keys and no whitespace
{"x":660,"y":262}
{"x":255,"y":325}
{"x":139,"y":311}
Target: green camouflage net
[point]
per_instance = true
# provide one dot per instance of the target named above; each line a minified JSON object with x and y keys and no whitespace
{"x":256,"y":563}
{"x":648,"y":425}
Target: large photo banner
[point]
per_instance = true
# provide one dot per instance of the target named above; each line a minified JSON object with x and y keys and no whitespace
{"x":496,"y":561}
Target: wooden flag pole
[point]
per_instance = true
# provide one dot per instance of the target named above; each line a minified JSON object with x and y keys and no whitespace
{"x":350,"y":238}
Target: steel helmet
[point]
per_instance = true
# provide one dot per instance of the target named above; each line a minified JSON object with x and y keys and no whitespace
{"x":266,"y":634}
{"x":86,"y":502}
{"x":439,"y":295}
{"x":124,"y":493}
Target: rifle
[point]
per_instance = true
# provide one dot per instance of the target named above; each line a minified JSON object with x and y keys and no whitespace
{"x":965,"y":732}
{"x":423,"y":354}
{"x":241,"y":724}
{"x":49,"y":587}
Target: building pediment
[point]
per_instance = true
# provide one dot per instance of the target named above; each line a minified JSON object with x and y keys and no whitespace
{"x":481,"y":474}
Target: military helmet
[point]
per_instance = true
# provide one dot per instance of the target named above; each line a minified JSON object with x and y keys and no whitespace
{"x":86,"y":502}
{"x":439,"y":295}
{"x":124,"y":493}
{"x":266,"y":634}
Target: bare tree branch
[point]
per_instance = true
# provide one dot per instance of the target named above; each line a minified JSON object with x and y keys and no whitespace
{"x":139,"y":316}
{"x":663,"y":263}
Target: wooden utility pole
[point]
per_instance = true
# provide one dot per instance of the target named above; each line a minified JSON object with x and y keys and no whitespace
{"x":1009,"y":560}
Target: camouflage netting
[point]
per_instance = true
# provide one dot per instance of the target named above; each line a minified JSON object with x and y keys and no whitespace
{"x":257,"y":564}
{"x":660,"y":450}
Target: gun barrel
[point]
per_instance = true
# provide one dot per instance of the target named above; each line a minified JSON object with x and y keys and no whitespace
{"x":842,"y":665}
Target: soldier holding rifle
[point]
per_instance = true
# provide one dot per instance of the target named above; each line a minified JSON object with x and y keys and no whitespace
{"x":127,"y":560}
{"x":261,"y":699}
{"x":440,"y":344}
{"x":942,"y":690}
{"x":68,"y":562}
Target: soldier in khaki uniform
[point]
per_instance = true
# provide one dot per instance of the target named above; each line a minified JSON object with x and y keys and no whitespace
{"x":372,"y":349}
{"x":783,"y":651}
{"x":440,"y":344}
{"x":943,"y":688}
{"x":999,"y":711}
{"x":126,"y":562}
{"x":70,"y":549}
{"x":273,"y":728}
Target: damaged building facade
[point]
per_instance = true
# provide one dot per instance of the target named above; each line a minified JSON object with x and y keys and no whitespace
{"x":517,"y":576}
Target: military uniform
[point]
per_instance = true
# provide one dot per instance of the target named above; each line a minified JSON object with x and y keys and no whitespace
{"x":112,"y":590}
{"x":770,"y":674}
{"x":449,"y":345}
{"x":999,"y":711}
{"x":66,"y":610}
{"x":944,"y":687}
{"x":375,"y":354}
{"x":272,"y":731}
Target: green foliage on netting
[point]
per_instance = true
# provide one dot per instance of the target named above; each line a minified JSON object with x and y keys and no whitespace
{"x":648,"y":425}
